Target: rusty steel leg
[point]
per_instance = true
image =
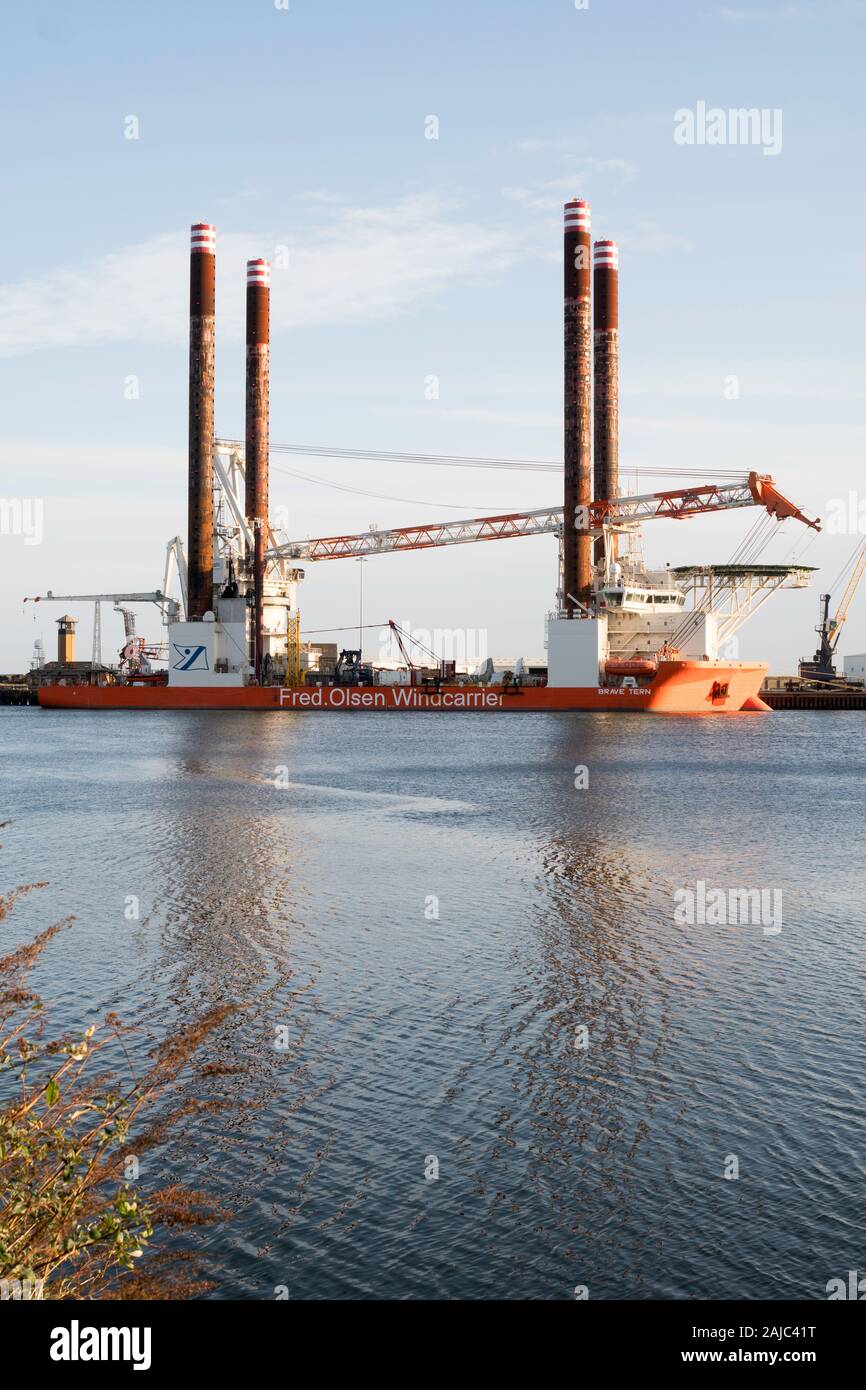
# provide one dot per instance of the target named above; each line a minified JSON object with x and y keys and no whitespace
{"x":256,"y":501}
{"x":606,"y":373}
{"x":576,"y":544}
{"x":201,"y":420}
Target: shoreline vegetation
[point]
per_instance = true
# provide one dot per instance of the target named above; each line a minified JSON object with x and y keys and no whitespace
{"x":75,"y":1222}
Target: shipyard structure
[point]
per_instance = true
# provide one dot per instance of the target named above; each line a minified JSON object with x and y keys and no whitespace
{"x":619,"y":636}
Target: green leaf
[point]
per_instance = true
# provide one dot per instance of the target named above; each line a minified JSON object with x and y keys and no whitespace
{"x":52,"y":1091}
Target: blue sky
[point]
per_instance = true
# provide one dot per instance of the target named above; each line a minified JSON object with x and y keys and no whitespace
{"x":411,"y":257}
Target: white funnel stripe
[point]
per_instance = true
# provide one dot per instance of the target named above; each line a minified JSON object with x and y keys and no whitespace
{"x":203,"y":238}
{"x":577,"y":219}
{"x":258,"y":273}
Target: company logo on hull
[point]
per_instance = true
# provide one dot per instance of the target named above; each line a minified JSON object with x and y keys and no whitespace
{"x":190,"y":658}
{"x":396,"y":698}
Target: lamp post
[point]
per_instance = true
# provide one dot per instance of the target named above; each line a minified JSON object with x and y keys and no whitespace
{"x":361,"y":562}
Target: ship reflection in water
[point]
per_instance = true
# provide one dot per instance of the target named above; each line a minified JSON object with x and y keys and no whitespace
{"x":476,"y":1056}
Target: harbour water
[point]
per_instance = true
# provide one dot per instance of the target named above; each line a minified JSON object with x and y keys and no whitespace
{"x":481,"y":1054}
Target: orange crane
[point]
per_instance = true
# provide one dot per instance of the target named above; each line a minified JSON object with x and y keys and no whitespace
{"x":754,"y":490}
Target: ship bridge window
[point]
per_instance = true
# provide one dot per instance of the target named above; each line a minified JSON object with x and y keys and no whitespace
{"x":614,"y":600}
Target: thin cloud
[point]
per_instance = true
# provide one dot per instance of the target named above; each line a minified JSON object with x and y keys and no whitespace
{"x":649,"y":237}
{"x":737,"y":15}
{"x":519,"y":419}
{"x":748,"y":428}
{"x":365,"y":265}
{"x":798,"y":384}
{"x":550,"y":193}
{"x":532,"y":146}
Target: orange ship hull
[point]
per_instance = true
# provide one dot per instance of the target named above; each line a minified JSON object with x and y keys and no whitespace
{"x":679,"y":687}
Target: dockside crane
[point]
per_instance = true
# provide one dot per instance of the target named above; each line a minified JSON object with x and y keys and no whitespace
{"x":169,"y":607}
{"x":821,"y":667}
{"x":135,"y":651}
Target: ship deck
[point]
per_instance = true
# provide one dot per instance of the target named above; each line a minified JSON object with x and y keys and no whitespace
{"x":679,"y":687}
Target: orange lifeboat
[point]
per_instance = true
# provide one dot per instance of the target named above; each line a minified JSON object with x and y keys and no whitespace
{"x":630,"y":668}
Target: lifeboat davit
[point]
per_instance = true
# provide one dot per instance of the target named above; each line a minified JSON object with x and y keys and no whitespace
{"x":630,"y":668}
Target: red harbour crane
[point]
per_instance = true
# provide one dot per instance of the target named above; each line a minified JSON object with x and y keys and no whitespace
{"x":754,"y":490}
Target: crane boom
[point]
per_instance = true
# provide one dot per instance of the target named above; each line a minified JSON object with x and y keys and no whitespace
{"x":679,"y":504}
{"x":850,"y":590}
{"x":399,"y":639}
{"x":163,"y":601}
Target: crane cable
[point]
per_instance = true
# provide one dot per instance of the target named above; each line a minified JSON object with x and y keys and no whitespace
{"x":385,"y":496}
{"x":762,"y":532}
{"x":467,"y":460}
{"x":843,"y":574}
